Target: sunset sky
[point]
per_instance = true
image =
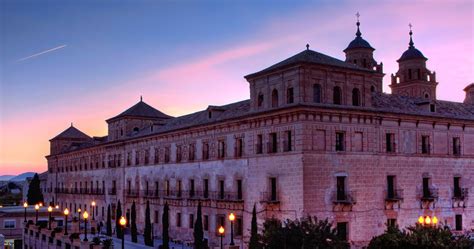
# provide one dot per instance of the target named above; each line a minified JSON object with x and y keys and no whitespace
{"x":86,"y":61}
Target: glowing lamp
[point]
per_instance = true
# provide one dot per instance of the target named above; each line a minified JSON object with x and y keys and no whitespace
{"x":85,"y":215}
{"x":421,"y":220}
{"x":66,"y":211}
{"x":435,"y":220}
{"x":93,"y":203}
{"x":428,"y":220}
{"x":50,"y":209}
{"x":25,"y":205}
{"x":57,"y":206}
{"x":37,"y":207}
{"x":79,"y":210}
{"x":231,"y":217}
{"x":221,"y":230}
{"x":123,"y":221}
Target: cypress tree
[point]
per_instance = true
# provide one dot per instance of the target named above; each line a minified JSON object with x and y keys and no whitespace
{"x":134,"y":223}
{"x":165,"y":222}
{"x":109,"y":222}
{"x":118,"y":227}
{"x":34,"y":195}
{"x":198,"y":231}
{"x":254,"y":243}
{"x":148,"y":236}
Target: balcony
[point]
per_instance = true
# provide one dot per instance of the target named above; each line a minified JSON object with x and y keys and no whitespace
{"x":344,"y":198}
{"x":429,"y":194}
{"x":394,"y":195}
{"x":269,"y":197}
{"x":460,"y":194}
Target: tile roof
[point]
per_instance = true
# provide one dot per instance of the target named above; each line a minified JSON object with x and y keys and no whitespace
{"x":313,"y":57}
{"x":72,"y":133}
{"x":141,"y":109}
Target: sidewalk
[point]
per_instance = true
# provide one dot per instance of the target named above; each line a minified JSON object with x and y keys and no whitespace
{"x":139,"y":245}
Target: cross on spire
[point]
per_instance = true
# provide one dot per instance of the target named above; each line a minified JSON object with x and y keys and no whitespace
{"x":141,"y":98}
{"x":358,"y":33}
{"x":409,"y":25}
{"x":411,"y":33}
{"x":357,"y":15}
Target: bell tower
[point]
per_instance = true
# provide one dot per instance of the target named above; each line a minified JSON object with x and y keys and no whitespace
{"x":413,"y":78}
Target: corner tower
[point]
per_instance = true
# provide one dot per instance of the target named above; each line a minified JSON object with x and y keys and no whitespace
{"x":413,"y":78}
{"x":360,"y":53}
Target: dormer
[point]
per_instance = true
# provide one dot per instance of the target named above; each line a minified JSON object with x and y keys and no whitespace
{"x":133,"y":120}
{"x":214,"y":111}
{"x":66,"y":140}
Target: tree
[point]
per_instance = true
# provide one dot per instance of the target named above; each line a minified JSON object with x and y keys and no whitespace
{"x":166,"y":225}
{"x":118,"y":227}
{"x":109,"y":222}
{"x":254,"y":240}
{"x":198,"y":230}
{"x":148,"y":236}
{"x":34,"y":195}
{"x":134,"y":223}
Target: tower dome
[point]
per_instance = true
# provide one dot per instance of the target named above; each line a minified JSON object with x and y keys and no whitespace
{"x":358,"y":41}
{"x":411,"y":52}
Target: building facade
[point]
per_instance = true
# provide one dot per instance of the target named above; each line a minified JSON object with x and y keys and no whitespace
{"x":317,"y":137}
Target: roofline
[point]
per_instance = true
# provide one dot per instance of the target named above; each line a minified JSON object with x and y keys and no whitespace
{"x":136,"y":117}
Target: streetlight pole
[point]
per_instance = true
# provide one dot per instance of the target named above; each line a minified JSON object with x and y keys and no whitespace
{"x":25,"y":205}
{"x":50,"y":210}
{"x":66,"y":212}
{"x":79,"y":211}
{"x":221,"y":232}
{"x":231,"y":218}
{"x":123,"y":222}
{"x":37,"y":207}
{"x":93,"y":210}
{"x":85,"y":215}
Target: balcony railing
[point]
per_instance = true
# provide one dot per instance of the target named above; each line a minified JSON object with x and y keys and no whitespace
{"x":394,"y":195}
{"x":460,"y":193}
{"x":83,"y":191}
{"x":269,"y":197}
{"x":344,"y":197}
{"x":429,"y":194}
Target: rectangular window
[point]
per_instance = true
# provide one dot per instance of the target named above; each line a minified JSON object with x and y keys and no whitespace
{"x":426,"y":187}
{"x":167,"y":154}
{"x":129,"y":158}
{"x":390,"y":187}
{"x":157,"y":217}
{"x":147,"y":157}
{"x":390,"y":142}
{"x":206,"y":188}
{"x":192,"y":151}
{"x":259,"y":144}
{"x":191,"y":221}
{"x":137,"y":157}
{"x":205,"y":151}
{"x":239,"y":190}
{"x":273,"y":143}
{"x":221,"y":149}
{"x":239,"y":147}
{"x":205,"y":223}
{"x":221,"y":189}
{"x":425,"y":144}
{"x":287,"y":143}
{"x":178,"y":154}
{"x":157,"y":155}
{"x":191,"y":188}
{"x":456,"y":146}
{"x":157,"y":188}
{"x":457,"y":187}
{"x":129,"y":187}
{"x":341,"y":188}
{"x":239,"y":231}
{"x":273,"y":189}
{"x":340,"y":141}
{"x":391,"y":223}
{"x":167,"y":188}
{"x":458,"y":222}
{"x":9,"y":224}
{"x":342,"y":230}
{"x":289,"y":95}
{"x":178,"y":219}
{"x":178,"y":183}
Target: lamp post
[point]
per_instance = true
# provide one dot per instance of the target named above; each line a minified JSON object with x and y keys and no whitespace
{"x":79,"y":211}
{"x":93,"y":210}
{"x":37,"y":207}
{"x":25,"y":205}
{"x":50,"y":210}
{"x":221,"y":233}
{"x":123,"y":222}
{"x":66,"y":213}
{"x":85,"y":216}
{"x":231,"y":218}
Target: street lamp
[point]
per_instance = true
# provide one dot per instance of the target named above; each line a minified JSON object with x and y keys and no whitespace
{"x":123,"y":222}
{"x":428,"y":220}
{"x":25,"y":205}
{"x":79,"y":211}
{"x":50,"y":210}
{"x":85,"y":215}
{"x":221,"y":233}
{"x":231,"y":218}
{"x":66,"y":213}
{"x":37,"y":207}
{"x":93,"y":210}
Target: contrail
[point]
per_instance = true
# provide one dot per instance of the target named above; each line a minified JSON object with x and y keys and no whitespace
{"x":43,"y":52}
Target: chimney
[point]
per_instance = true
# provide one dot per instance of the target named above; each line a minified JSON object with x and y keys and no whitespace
{"x":469,"y":94}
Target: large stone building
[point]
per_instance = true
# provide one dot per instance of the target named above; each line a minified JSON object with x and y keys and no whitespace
{"x":317,"y":137}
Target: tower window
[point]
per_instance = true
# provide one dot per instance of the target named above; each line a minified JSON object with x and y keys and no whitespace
{"x":428,"y":78}
{"x":337,"y":95}
{"x":409,"y":74}
{"x":260,"y":100}
{"x":274,"y":98}
{"x":398,"y":80}
{"x":355,"y":97}
{"x":289,"y":95}
{"x":317,"y":93}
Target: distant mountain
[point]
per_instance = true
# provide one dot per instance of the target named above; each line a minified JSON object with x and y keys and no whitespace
{"x":22,"y":177}
{"x":6,"y":177}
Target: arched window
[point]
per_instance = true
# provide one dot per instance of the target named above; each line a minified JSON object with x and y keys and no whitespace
{"x":337,"y":95}
{"x":317,"y":93}
{"x":135,"y":129}
{"x":274,"y":98}
{"x":260,"y":100}
{"x":427,"y":96}
{"x":372,"y":88}
{"x":355,"y":97}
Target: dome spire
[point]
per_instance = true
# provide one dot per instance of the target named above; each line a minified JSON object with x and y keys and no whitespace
{"x":411,"y":39}
{"x":358,"y":33}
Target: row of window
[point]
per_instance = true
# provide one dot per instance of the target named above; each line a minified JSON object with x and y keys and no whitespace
{"x":317,"y":96}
